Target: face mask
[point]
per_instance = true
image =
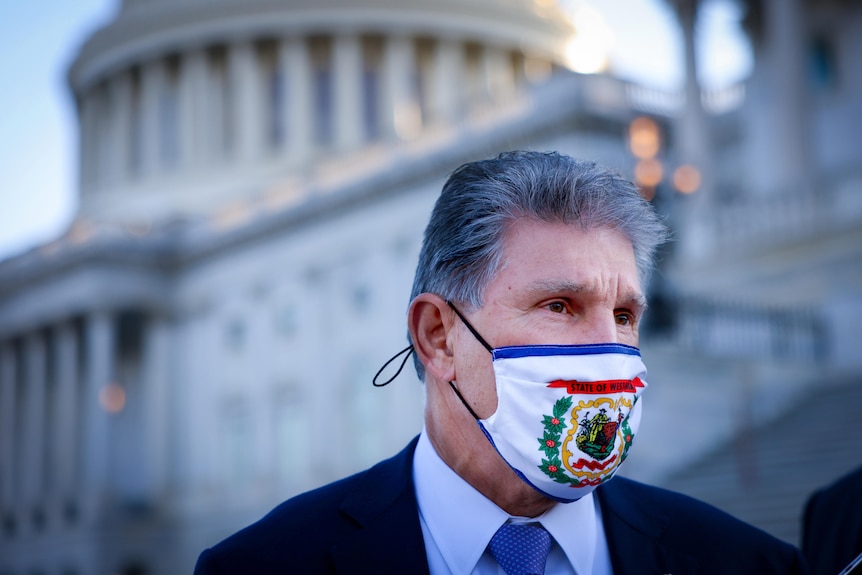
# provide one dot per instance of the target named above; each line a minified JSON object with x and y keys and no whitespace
{"x":566,"y":414}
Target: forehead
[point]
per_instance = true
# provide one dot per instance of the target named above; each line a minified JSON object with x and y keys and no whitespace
{"x":537,"y":254}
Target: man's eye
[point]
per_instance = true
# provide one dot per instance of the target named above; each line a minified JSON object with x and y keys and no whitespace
{"x":557,"y":307}
{"x":624,"y":318}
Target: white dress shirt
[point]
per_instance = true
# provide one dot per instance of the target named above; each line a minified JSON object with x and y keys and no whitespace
{"x":458,"y":523}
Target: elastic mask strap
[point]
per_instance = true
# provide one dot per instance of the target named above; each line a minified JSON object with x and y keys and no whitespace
{"x":461,"y":397}
{"x":408,"y":351}
{"x":473,"y":331}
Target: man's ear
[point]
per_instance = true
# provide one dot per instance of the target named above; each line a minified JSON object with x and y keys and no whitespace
{"x":429,"y":320}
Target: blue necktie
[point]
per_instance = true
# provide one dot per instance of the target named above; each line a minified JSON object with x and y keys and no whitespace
{"x":521,"y":549}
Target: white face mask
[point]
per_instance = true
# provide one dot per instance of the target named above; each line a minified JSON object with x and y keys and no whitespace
{"x":566,"y":414}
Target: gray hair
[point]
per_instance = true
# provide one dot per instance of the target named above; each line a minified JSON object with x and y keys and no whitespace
{"x":463,"y":244}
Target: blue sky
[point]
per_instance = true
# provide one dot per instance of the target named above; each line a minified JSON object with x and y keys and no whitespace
{"x":38,"y":129}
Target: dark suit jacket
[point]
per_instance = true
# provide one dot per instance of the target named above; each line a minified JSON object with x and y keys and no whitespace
{"x":832,"y":528}
{"x":369,"y":523}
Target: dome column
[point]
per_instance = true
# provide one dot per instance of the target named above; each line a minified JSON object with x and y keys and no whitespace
{"x":498,"y":76}
{"x":785,"y":37}
{"x":247,"y":102}
{"x":156,"y":399}
{"x":153,"y":79}
{"x":400,"y":110}
{"x":193,"y":107}
{"x":296,"y":93}
{"x":348,"y":92}
{"x":100,"y":336}
{"x":446,"y":80}
{"x":66,"y":412}
{"x":10,"y":441}
{"x":32,"y":470}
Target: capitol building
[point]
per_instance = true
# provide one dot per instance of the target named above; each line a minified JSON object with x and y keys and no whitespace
{"x":255,"y":177}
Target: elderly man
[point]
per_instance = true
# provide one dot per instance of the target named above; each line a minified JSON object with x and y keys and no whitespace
{"x":524,"y":324}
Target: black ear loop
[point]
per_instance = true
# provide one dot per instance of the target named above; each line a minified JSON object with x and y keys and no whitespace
{"x":408,"y":351}
{"x":471,"y":328}
{"x":484,"y":343}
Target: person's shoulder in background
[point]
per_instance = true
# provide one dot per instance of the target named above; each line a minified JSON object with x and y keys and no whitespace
{"x":832,"y":525}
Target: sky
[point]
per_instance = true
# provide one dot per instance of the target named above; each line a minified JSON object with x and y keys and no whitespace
{"x":38,"y":126}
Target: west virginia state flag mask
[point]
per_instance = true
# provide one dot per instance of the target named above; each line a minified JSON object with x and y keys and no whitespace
{"x":566,"y":414}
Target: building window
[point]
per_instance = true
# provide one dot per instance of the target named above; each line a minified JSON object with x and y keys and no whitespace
{"x":361,"y":299}
{"x":286,"y":320}
{"x":235,"y":334}
{"x":134,"y":568}
{"x":823,"y":64}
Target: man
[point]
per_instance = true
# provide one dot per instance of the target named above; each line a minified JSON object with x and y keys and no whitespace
{"x":832,"y":524}
{"x":524,"y":324}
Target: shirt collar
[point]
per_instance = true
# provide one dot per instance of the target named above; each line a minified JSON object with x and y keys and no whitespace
{"x":462,"y":521}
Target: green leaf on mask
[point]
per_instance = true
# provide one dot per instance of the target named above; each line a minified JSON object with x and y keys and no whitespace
{"x":548,"y":422}
{"x":562,"y":406}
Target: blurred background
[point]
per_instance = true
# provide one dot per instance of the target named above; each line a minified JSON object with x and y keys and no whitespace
{"x":210,"y":214}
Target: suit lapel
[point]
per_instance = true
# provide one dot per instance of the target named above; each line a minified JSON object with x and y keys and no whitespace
{"x":634,"y":534}
{"x":388,"y":536}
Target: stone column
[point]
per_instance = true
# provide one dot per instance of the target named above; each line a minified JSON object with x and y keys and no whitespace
{"x":153,"y":78}
{"x":10,"y":441}
{"x":693,"y":143}
{"x":348,"y":92}
{"x":100,"y":369}
{"x":400,"y":106}
{"x":298,"y":112}
{"x":498,"y":77}
{"x":120,"y":96}
{"x":446,"y":81}
{"x":785,"y":36}
{"x":193,"y":108}
{"x":67,"y":411}
{"x":247,"y":104}
{"x":155,"y":384}
{"x":35,"y":447}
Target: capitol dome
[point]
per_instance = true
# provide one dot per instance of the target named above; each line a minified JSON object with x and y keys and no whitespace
{"x":188,"y":105}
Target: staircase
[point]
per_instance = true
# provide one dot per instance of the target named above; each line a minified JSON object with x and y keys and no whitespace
{"x":765,"y":472}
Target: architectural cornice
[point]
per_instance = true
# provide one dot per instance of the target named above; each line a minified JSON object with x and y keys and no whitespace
{"x":147,"y":31}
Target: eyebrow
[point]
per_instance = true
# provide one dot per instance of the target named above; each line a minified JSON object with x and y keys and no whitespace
{"x":542,"y":287}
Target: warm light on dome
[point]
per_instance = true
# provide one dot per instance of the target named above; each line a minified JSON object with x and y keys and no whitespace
{"x":649,"y":172}
{"x":644,"y":138}
{"x":112,"y":398}
{"x":588,"y":51}
{"x":686,"y":179}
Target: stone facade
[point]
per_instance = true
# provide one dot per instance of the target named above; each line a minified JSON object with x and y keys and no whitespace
{"x":255,"y":177}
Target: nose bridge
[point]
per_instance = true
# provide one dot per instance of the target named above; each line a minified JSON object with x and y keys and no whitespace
{"x":601,"y":328}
